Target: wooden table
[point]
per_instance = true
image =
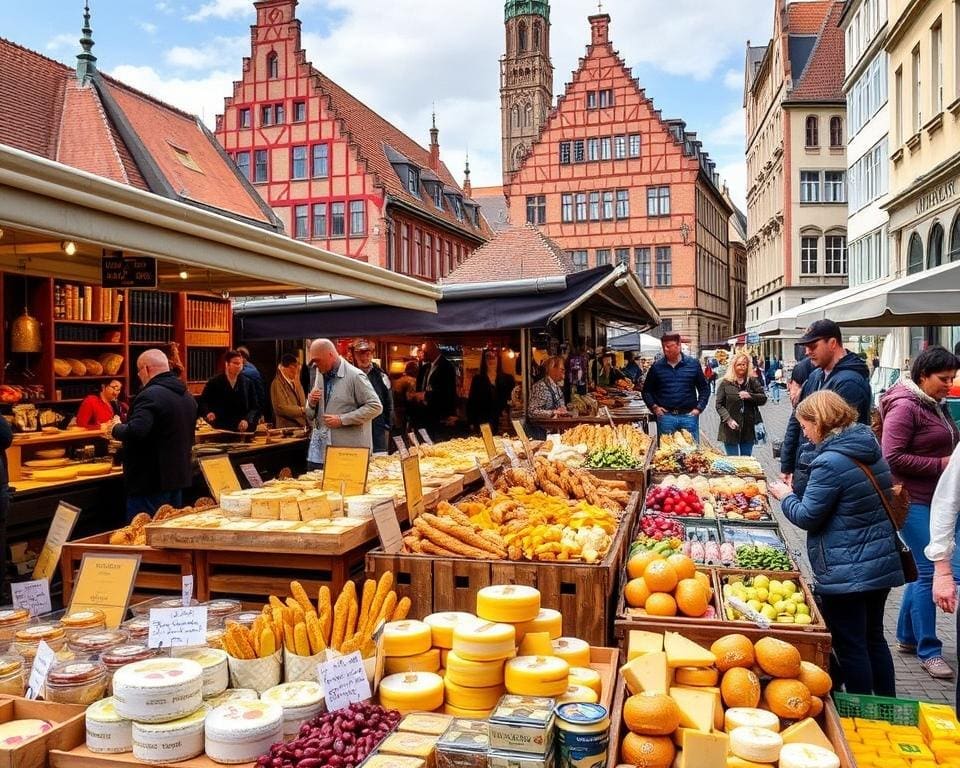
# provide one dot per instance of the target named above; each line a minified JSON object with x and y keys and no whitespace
{"x":630,"y":415}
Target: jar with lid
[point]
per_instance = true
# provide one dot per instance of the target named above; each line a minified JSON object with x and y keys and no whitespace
{"x":220,"y":608}
{"x":76,"y":682}
{"x":11,"y":620}
{"x":138,"y":627}
{"x":243,"y":618}
{"x":27,"y":640}
{"x":95,"y":642}
{"x":83,"y":621}
{"x":12,"y":677}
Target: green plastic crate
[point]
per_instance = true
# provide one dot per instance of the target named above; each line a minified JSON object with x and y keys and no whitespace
{"x":894,"y":711}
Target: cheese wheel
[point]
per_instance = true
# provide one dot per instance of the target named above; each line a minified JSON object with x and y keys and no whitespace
{"x":573,"y":650}
{"x":586,"y":676}
{"x":807,"y":756}
{"x":756,"y":744}
{"x":406,"y":638}
{"x":216,"y":676}
{"x":578,"y":694}
{"x":508,"y":603}
{"x":473,"y":674}
{"x":169,"y":742}
{"x":444,"y":652}
{"x":696,"y":676}
{"x":535,"y":644}
{"x":536,"y":676}
{"x":469,"y":714}
{"x":240,"y":731}
{"x":442,"y":624}
{"x":472,"y":698}
{"x":428,"y":661}
{"x":546,"y":620}
{"x":741,"y":717}
{"x":484,"y":640}
{"x":158,"y":691}
{"x":412,"y":692}
{"x":107,"y":732}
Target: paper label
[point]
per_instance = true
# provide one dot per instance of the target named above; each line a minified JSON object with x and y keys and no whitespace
{"x":105,"y":582}
{"x":486,"y":478}
{"x":177,"y":626}
{"x":426,"y":438}
{"x":606,"y":412}
{"x":412,"y":437}
{"x":38,"y":672}
{"x":219,"y":474}
{"x":59,"y":532}
{"x":488,"y":443}
{"x":511,"y":454}
{"x":32,"y":595}
{"x":186,"y":589}
{"x":522,"y":434}
{"x":344,"y":681}
{"x":388,"y":527}
{"x":748,"y":613}
{"x":401,"y":447}
{"x":412,"y":485}
{"x":346,"y":466}
{"x":253,"y":477}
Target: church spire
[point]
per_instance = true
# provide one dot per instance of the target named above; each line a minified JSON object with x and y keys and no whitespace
{"x":86,"y":61}
{"x":434,"y":143}
{"x":467,"y":188}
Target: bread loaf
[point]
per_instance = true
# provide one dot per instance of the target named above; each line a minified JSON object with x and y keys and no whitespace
{"x":111,"y":362}
{"x":93,"y":367}
{"x":76,"y":367}
{"x":61,"y":367}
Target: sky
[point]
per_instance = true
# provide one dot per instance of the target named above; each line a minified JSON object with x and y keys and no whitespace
{"x":405,"y":58}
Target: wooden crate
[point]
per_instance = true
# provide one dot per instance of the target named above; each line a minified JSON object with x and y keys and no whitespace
{"x":68,"y":730}
{"x":161,"y":570}
{"x":817,"y":625}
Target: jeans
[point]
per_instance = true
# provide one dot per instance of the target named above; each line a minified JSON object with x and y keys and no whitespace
{"x":856,"y":623}
{"x":739,"y":449}
{"x":775,"y":393}
{"x":917,"y":624}
{"x":670,"y":423}
{"x":313,"y":466}
{"x":381,"y":439}
{"x":152,"y":502}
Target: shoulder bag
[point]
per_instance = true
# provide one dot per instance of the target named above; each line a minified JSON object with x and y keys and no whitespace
{"x":907,"y":562}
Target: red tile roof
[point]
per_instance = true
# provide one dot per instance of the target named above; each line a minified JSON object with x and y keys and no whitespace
{"x":822,"y":79}
{"x":806,"y":18}
{"x":513,"y":254}
{"x":31,"y":100}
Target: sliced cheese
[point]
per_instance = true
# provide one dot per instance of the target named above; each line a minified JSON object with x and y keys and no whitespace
{"x":704,"y":750}
{"x":535,"y":644}
{"x":756,"y":744}
{"x":806,"y":732}
{"x":696,"y":676}
{"x":718,"y":704}
{"x":697,"y":708}
{"x":406,"y":638}
{"x":547,"y":620}
{"x":573,"y":650}
{"x":640,"y":642}
{"x":513,"y":603}
{"x":682,"y":652}
{"x":648,"y":673}
{"x":536,"y":676}
{"x":807,"y":756}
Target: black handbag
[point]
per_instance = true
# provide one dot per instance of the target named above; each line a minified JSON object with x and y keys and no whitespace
{"x":907,"y":562}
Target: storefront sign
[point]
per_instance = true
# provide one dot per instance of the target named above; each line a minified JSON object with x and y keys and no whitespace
{"x":105,"y":582}
{"x":488,"y":441}
{"x":937,"y":196}
{"x":388,"y":527}
{"x":60,"y":529}
{"x":128,"y":272}
{"x":345,"y":470}
{"x":219,"y":474}
{"x":412,"y":485}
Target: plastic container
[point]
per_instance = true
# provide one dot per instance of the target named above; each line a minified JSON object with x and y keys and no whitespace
{"x":12,"y":676}
{"x":583,"y":734}
{"x":241,"y":731}
{"x":76,"y":682}
{"x":121,"y":655}
{"x":95,"y":642}
{"x":220,"y":609}
{"x":463,"y":745}
{"x":11,"y":620}
{"x":27,"y":640}
{"x":137,"y":628}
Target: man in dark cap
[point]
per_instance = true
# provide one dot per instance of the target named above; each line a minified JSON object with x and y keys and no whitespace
{"x":363,"y":357}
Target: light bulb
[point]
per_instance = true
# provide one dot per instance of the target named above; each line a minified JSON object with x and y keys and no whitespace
{"x":69,"y":247}
{"x":184,"y":274}
{"x":511,"y":354}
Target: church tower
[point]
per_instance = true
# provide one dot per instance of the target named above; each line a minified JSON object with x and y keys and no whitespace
{"x":526,"y":79}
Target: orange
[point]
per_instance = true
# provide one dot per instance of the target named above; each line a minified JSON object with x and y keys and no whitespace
{"x":692,"y":598}
{"x":661,"y":604}
{"x":651,"y":714}
{"x":660,"y":576}
{"x":683,"y":565}
{"x":740,"y":688}
{"x":704,"y":579}
{"x":733,"y":651}
{"x":636,"y":593}
{"x":637,"y":563}
{"x":648,"y":751}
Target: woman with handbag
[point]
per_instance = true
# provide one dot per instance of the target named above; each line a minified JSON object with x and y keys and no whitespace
{"x":918,"y":435}
{"x":852,"y":544}
{"x":739,"y":397}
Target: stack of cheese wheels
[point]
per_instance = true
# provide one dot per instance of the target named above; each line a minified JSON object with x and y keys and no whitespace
{"x":412,"y":692}
{"x":408,"y":647}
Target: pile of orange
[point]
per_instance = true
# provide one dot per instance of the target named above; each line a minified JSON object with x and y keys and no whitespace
{"x":667,"y":586}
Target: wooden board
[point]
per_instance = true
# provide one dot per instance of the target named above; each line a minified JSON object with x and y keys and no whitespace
{"x":606,"y":661}
{"x":81,"y":757}
{"x":68,"y":730}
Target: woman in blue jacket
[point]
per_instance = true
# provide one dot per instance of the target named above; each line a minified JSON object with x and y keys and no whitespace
{"x":850,"y":540}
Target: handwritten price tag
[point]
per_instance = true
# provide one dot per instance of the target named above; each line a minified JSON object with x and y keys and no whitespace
{"x":32,"y":595}
{"x":186,"y":590}
{"x":401,"y":447}
{"x":177,"y":626}
{"x":388,"y":527}
{"x":344,"y":681}
{"x":38,"y":672}
{"x":253,"y":477}
{"x":425,"y":436}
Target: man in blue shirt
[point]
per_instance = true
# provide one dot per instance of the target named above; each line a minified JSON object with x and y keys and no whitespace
{"x":676,"y":389}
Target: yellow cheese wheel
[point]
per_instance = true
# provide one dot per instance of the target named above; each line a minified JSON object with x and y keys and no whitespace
{"x":470,"y":714}
{"x":706,"y":676}
{"x":586,"y":676}
{"x":411,"y":691}
{"x":484,"y":640}
{"x":428,"y":661}
{"x":573,"y":650}
{"x":508,"y":603}
{"x":578,"y":694}
{"x":442,"y":624}
{"x":406,"y":638}
{"x":536,"y":676}
{"x":473,"y":674}
{"x":472,"y":698}
{"x":535,"y":644}
{"x":443,"y":656}
{"x":547,"y":620}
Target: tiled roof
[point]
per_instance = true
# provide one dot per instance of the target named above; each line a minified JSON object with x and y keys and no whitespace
{"x":807,"y":18}
{"x":493,"y":203}
{"x":513,"y":254}
{"x":31,"y":100}
{"x":822,"y":79}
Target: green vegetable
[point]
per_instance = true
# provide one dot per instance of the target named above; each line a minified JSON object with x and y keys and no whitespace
{"x":611,"y":458}
{"x":763,"y":558}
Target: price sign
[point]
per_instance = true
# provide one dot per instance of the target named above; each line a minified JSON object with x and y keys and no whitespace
{"x":511,"y":454}
{"x":388,"y":527}
{"x":42,"y":662}
{"x":32,"y":595}
{"x":105,"y":582}
{"x":186,"y":589}
{"x":488,"y":442}
{"x":345,"y":470}
{"x":412,"y":485}
{"x":522,"y":434}
{"x":177,"y":626}
{"x":487,"y":483}
{"x":606,"y":412}
{"x":60,"y":529}
{"x":344,"y":681}
{"x":426,"y":438}
{"x":401,"y":447}
{"x":219,"y":474}
{"x":119,"y":271}
{"x":253,"y":477}
{"x":412,"y":437}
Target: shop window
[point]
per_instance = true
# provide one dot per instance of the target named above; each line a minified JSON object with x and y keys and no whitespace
{"x":813,"y":131}
{"x":915,"y":255}
{"x":935,"y":248}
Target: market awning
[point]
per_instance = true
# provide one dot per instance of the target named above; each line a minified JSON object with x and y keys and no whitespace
{"x":643,"y":343}
{"x":931,"y":297}
{"x":217,"y":253}
{"x":611,"y":293}
{"x":788,"y":324}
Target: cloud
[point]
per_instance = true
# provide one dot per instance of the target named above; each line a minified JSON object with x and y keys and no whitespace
{"x":222,"y":9}
{"x":734,"y":174}
{"x":163,"y":7}
{"x":733,"y":79}
{"x":199,"y":96}
{"x":211,"y":55}
{"x":729,"y":131}
{"x":63,"y":41}
{"x":148,"y":27}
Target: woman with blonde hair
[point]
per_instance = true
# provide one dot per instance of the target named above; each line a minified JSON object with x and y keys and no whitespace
{"x":851,"y":542}
{"x":739,"y":397}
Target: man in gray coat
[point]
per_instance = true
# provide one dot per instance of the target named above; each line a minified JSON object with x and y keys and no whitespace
{"x":341,"y":404}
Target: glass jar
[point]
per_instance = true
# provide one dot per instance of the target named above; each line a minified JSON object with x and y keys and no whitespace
{"x":76,"y":682}
{"x":12,"y":620}
{"x":12,"y":678}
{"x":137,"y":628}
{"x":220,"y":608}
{"x":83,"y":621}
{"x":121,"y":655}
{"x":95,"y":642}
{"x":27,"y":640}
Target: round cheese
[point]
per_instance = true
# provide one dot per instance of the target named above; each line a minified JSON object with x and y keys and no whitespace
{"x":242,"y":730}
{"x":696,"y":676}
{"x":412,"y":692}
{"x":484,"y":640}
{"x":428,"y":661}
{"x":299,"y":701}
{"x":107,"y":732}
{"x":536,"y":676}
{"x":442,"y":624}
{"x":757,"y":744}
{"x":578,"y":694}
{"x":573,"y":650}
{"x":586,"y":676}
{"x":472,"y":698}
{"x":15,"y":732}
{"x":232,"y":694}
{"x":406,"y":638}
{"x":473,"y":674}
{"x":546,"y":620}
{"x":513,"y":603}
{"x":469,"y":714}
{"x":216,"y":675}
{"x":169,"y":742}
{"x":807,"y":756}
{"x":748,"y":717}
{"x":158,"y":690}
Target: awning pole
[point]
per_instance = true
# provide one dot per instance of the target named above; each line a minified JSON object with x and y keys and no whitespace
{"x":526,"y":357}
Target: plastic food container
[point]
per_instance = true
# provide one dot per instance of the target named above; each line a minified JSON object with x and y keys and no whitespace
{"x":138,"y":627}
{"x":165,"y":601}
{"x":27,"y":640}
{"x":221,"y":608}
{"x":12,"y":678}
{"x":463,"y":745}
{"x":107,"y":732}
{"x":246,"y":618}
{"x":170,"y":742}
{"x":95,"y":642}
{"x":241,"y":731}
{"x":12,"y":620}
{"x":76,"y":682}
{"x":121,"y":655}
{"x":83,"y":621}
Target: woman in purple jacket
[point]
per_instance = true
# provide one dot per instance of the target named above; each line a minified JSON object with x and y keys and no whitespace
{"x":918,"y":437}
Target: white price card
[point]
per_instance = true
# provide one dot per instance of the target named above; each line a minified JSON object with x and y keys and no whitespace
{"x":253,"y":477}
{"x":401,"y":447}
{"x":32,"y":595}
{"x":42,"y":662}
{"x":177,"y":626}
{"x":344,"y":681}
{"x":388,"y":527}
{"x":186,"y":590}
{"x":426,"y":437}
{"x":511,"y":454}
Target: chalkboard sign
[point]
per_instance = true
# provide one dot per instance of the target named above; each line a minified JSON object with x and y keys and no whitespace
{"x":128,"y":272}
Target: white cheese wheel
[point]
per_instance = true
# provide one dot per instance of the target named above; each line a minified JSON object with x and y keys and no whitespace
{"x":107,"y":732}
{"x":412,"y":692}
{"x":442,"y":624}
{"x":749,"y":717}
{"x":406,"y":638}
{"x":758,"y":745}
{"x":169,"y":742}
{"x":807,"y":756}
{"x":513,"y":603}
{"x":240,"y":731}
{"x":299,"y":701}
{"x":232,"y":694}
{"x":158,"y":690}
{"x":216,"y":675}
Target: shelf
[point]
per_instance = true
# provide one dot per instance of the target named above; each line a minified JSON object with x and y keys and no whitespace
{"x":209,"y":330}
{"x":151,"y":325}
{"x":89,"y":378}
{"x":61,"y":321}
{"x":89,"y":343}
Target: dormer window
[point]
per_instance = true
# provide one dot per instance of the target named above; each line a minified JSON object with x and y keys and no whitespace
{"x":413,"y":181}
{"x":273,"y":66}
{"x":436,"y":192}
{"x":457,"y":206}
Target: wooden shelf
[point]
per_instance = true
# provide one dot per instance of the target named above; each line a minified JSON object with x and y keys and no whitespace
{"x":89,"y":378}
{"x":152,"y":325}
{"x":61,"y":321}
{"x":89,"y":343}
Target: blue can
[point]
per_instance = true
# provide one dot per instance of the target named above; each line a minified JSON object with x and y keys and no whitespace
{"x":583,"y":735}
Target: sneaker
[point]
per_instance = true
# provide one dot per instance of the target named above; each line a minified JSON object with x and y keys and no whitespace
{"x":906,"y":648}
{"x":937,"y":668}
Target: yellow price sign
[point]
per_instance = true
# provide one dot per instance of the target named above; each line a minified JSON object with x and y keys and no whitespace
{"x":64,"y":519}
{"x":105,"y":582}
{"x":412,"y":485}
{"x":488,"y":441}
{"x":219,"y":474}
{"x":522,"y":434}
{"x":346,"y":468}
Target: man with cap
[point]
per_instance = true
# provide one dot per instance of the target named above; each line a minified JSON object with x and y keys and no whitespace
{"x":676,"y":389}
{"x":836,"y":369}
{"x":363,"y":357}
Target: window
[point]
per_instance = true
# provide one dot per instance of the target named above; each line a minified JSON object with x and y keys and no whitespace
{"x":835,"y":255}
{"x":603,"y":257}
{"x":413,"y":181}
{"x":836,"y":131}
{"x":642,"y":256}
{"x":834,"y":187}
{"x":606,"y":98}
{"x":664,"y":266}
{"x":457,"y":207}
{"x":299,"y":111}
{"x":955,"y":239}
{"x":898,"y":97}
{"x":594,"y":206}
{"x":622,"y":256}
{"x":666,"y":325}
{"x":658,"y":201}
{"x":608,"y":205}
{"x":808,"y":255}
{"x":336,"y":220}
{"x":623,"y":204}
{"x":358,"y":223}
{"x":593,"y":149}
{"x":405,"y":248}
{"x":244,"y":117}
{"x":319,"y":220}
{"x":917,"y":106}
{"x":278,"y":114}
{"x":935,"y":248}
{"x":605,"y":148}
{"x":634,"y":145}
{"x":243,"y":164}
{"x":579,"y":259}
{"x":321,"y":161}
{"x":566,"y":208}
{"x":813,"y":131}
{"x":591,"y":99}
{"x":449,"y":259}
{"x":578,"y":151}
{"x":428,"y":262}
{"x":581,"y":206}
{"x":266,"y":115}
{"x":536,"y":35}
{"x":564,"y":153}
{"x":300,"y":222}
{"x":298,"y":165}
{"x":809,"y":186}
{"x":522,"y":36}
{"x":273,"y":66}
{"x":536,"y":209}
{"x":915,"y":255}
{"x":619,"y":147}
{"x":936,"y":66}
{"x":260,"y":165}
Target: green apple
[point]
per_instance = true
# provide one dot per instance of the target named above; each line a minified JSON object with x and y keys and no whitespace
{"x":785,"y":618}
{"x":755,"y":604}
{"x":798,"y":598}
{"x":803,"y":609}
{"x":762,"y":594}
{"x":762,"y":581}
{"x":780,"y":606}
{"x":802,"y":618}
{"x":789,"y":587}
{"x":769,"y":611}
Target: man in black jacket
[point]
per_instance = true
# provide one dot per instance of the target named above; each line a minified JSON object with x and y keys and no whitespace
{"x":157,"y":438}
{"x":229,"y":399}
{"x":363,"y":357}
{"x":436,"y":393}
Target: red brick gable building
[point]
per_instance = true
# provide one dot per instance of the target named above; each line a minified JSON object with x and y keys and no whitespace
{"x":334,"y":171}
{"x":610,"y":180}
